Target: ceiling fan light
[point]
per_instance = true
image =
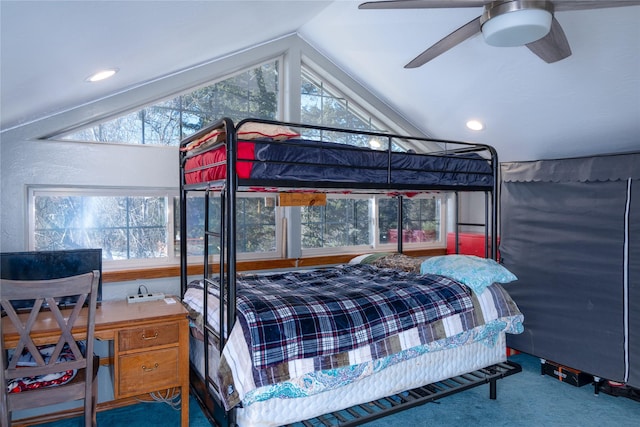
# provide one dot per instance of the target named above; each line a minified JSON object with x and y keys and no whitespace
{"x":517,"y":28}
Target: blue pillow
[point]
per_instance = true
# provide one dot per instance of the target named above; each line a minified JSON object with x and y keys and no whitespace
{"x":475,"y":272}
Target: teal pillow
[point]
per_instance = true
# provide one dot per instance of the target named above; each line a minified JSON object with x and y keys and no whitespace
{"x":475,"y":272}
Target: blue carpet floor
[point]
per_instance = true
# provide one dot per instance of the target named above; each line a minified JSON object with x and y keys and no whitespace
{"x":146,"y":414}
{"x":526,"y":399}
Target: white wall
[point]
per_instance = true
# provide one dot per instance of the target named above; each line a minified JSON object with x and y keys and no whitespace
{"x":25,"y":163}
{"x":42,"y":162}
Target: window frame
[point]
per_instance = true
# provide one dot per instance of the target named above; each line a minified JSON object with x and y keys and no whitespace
{"x":352,"y":249}
{"x":374,"y":244}
{"x":329,"y":87}
{"x":67,"y":134}
{"x":441,"y":242}
{"x":247,"y":256}
{"x":171,"y":196}
{"x":168,"y":194}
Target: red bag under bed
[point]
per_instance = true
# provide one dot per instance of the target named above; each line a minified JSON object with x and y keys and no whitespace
{"x":196,"y":169}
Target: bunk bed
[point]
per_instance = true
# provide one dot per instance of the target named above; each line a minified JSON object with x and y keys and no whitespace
{"x":447,"y":329}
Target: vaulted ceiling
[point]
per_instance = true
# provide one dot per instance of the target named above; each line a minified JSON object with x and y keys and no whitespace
{"x":586,"y":104}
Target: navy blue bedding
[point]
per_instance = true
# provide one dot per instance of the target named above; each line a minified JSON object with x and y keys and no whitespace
{"x":305,"y":160}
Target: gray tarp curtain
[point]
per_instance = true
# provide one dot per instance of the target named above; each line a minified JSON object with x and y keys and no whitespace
{"x":570,"y":231}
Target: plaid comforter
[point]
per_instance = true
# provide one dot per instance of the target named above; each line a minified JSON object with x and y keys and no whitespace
{"x":298,"y":315}
{"x":456,"y":314}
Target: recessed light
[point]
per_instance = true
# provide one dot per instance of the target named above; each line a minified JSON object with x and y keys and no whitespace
{"x":101,"y":75}
{"x":475,"y":125}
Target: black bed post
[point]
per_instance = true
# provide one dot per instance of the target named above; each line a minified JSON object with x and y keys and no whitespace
{"x":493,"y":389}
{"x":494,"y":203}
{"x":231,"y":189}
{"x":457,"y":224}
{"x":221,"y":271}
{"x":205,"y":285}
{"x":487,"y":224}
{"x":183,"y":230}
{"x":400,"y":230}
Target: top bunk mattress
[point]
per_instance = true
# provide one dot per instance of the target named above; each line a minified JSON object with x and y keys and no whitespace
{"x":306,"y":163}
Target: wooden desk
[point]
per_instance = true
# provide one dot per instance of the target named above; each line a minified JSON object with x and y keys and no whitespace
{"x":150,"y":346}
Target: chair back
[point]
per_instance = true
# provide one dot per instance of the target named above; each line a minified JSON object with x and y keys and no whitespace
{"x":46,"y":323}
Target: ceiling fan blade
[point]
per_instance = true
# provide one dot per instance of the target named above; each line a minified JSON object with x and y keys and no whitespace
{"x":554,"y":46}
{"x":458,"y":36}
{"x":558,"y":5}
{"x":564,"y":5}
{"x":422,"y":4}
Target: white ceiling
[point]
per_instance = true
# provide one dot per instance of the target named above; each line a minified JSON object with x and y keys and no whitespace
{"x":588,"y":103}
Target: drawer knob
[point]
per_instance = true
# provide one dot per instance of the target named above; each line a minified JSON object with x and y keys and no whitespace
{"x":153,"y":368}
{"x":153,"y":337}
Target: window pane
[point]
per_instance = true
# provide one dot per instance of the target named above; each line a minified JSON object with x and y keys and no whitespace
{"x":420,"y":220}
{"x":253,"y":93}
{"x":342,"y":222}
{"x":195,"y":225}
{"x":322,"y":106}
{"x":125,"y":227}
{"x":255,"y":224}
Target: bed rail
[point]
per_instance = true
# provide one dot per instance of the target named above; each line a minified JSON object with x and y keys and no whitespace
{"x":366,"y":412}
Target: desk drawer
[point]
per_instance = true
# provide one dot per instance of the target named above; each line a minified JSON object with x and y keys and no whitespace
{"x":150,"y":336}
{"x":148,"y":371}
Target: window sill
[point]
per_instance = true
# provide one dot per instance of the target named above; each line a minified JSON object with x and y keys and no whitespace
{"x":250,"y":265}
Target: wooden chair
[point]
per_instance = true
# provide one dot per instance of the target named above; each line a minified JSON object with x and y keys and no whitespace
{"x":29,"y":326}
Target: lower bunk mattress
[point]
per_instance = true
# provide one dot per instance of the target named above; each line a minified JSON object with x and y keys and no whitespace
{"x":288,"y":402}
{"x":466,"y":332}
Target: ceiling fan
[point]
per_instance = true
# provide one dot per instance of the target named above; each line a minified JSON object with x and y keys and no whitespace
{"x":505,"y":23}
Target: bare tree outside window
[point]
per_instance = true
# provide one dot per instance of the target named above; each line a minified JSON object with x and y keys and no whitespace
{"x":253,"y":93}
{"x":125,"y":227}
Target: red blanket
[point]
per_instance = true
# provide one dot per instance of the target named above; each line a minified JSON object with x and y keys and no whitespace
{"x":196,"y":169}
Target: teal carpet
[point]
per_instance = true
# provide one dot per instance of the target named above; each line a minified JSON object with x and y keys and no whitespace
{"x":146,"y":414}
{"x":526,"y":399}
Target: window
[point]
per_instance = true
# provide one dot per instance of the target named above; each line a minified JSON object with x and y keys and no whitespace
{"x":257,"y":225}
{"x":132,"y":227}
{"x":359,"y":223}
{"x":421,"y":220}
{"x":322,"y":104}
{"x":141,"y":227}
{"x":252,"y":93}
{"x":129,"y":225}
{"x":343,"y":222}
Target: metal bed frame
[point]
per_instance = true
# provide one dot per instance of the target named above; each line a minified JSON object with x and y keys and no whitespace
{"x":226,"y":234}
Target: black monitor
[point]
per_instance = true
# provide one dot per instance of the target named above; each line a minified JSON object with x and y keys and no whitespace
{"x":43,"y":265}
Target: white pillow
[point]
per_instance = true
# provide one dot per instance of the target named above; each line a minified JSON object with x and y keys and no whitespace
{"x":252,"y":130}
